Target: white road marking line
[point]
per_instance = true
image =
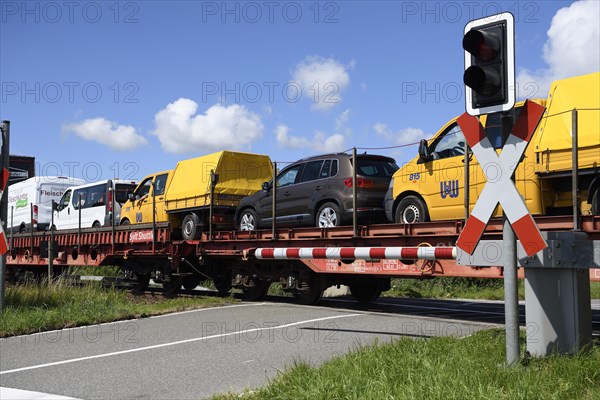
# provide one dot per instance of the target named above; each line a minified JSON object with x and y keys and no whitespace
{"x":133,"y":319}
{"x":157,"y":346}
{"x":18,"y":394}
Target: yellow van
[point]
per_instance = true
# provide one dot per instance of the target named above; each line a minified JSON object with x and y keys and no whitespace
{"x":431,"y":186}
{"x":182,"y":196}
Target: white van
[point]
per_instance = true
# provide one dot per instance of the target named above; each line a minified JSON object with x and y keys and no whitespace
{"x":96,"y":204}
{"x":35,"y":196}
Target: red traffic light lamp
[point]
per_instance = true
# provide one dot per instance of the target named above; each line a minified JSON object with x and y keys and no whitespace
{"x":489,"y":64}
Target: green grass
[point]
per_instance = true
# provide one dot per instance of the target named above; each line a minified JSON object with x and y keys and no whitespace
{"x":437,"y":368}
{"x":35,"y":308}
{"x":463,"y":288}
{"x":108,"y":270}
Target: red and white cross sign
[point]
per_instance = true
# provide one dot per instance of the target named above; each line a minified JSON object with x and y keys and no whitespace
{"x":499,"y":187}
{"x":3,"y":241}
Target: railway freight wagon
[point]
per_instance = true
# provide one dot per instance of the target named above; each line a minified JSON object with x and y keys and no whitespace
{"x":172,"y":246}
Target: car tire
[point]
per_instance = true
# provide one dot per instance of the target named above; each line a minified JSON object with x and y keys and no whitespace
{"x":328,"y":216}
{"x":248,"y":220}
{"x":189,"y":227}
{"x":411,"y":209}
{"x":125,"y":222}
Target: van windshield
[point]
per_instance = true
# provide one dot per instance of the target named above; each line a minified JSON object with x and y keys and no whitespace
{"x":122,"y":192}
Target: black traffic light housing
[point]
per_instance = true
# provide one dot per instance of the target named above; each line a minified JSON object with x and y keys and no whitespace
{"x":489,"y":64}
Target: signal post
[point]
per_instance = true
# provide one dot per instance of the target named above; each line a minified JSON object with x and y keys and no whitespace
{"x":557,"y":292}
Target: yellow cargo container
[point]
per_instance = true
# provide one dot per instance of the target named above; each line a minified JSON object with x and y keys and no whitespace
{"x":431,"y":186}
{"x":182,"y":196}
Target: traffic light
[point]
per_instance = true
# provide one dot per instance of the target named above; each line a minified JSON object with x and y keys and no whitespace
{"x":489,"y":64}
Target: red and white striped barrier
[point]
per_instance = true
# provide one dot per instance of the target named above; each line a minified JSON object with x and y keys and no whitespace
{"x":499,"y":187}
{"x":3,"y":241}
{"x":356,"y":253}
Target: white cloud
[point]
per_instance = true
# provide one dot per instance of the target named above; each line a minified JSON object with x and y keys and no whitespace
{"x":403,"y":136}
{"x":342,"y":119}
{"x":572,"y":48}
{"x":179,"y":129}
{"x":100,"y":130}
{"x":321,"y":142}
{"x":322,"y":81}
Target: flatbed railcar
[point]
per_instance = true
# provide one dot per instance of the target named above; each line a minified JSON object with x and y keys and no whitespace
{"x":228,"y":258}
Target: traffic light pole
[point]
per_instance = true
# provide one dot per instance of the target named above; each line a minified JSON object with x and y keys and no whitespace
{"x":509,"y":251}
{"x":4,"y":154}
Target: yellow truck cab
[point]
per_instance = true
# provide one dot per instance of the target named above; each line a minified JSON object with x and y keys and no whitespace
{"x":431,"y":186}
{"x":182,"y":196}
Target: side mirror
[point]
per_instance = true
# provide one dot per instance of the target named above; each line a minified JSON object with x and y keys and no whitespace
{"x":55,"y":206}
{"x":130,"y":196}
{"x":265,"y":186}
{"x":424,"y":150}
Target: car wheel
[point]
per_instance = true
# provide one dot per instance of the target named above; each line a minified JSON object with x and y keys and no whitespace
{"x":248,"y":220}
{"x":411,"y":209}
{"x":189,"y":227}
{"x":125,"y":222}
{"x":328,"y":216}
{"x":96,"y":224}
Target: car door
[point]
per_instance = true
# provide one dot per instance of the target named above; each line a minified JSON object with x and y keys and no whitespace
{"x":302,"y":201}
{"x":64,"y":211}
{"x":141,"y":207}
{"x":284,"y":189}
{"x":442,"y":178}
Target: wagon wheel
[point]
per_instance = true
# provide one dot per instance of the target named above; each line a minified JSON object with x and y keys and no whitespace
{"x":256,"y":292}
{"x":222,"y":282}
{"x":141,"y":284}
{"x":172,"y":287}
{"x":366,"y":292}
{"x":312,"y":290}
{"x":190,"y":282}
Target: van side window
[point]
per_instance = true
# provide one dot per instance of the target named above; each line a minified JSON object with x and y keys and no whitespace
{"x":289,"y":176}
{"x":159,"y":184}
{"x":450,"y":144}
{"x":493,"y":127}
{"x":311,"y":171}
{"x":80,"y":196}
{"x":96,"y":196}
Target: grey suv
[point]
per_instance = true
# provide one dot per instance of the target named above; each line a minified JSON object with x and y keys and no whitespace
{"x":317,"y":191}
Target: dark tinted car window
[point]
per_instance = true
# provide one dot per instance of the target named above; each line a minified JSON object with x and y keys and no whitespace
{"x":334,"y":168}
{"x":325,"y":169}
{"x":376,"y":168}
{"x":289,"y":176}
{"x":311,"y":171}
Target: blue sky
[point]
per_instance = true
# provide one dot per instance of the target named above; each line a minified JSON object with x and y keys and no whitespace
{"x":122,"y":89}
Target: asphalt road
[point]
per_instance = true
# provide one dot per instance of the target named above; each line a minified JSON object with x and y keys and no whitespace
{"x":199,"y":353}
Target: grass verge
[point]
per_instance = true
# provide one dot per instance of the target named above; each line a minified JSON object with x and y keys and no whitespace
{"x":437,"y":368}
{"x":463,"y":288}
{"x":35,"y":308}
